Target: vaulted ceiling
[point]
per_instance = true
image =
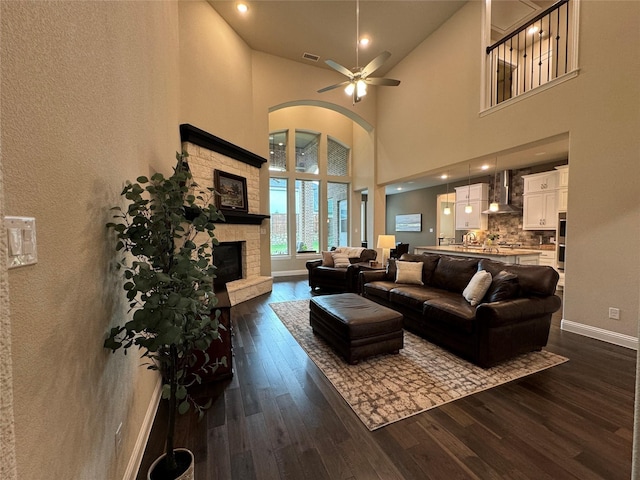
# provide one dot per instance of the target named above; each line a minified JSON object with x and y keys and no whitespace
{"x":326,"y":29}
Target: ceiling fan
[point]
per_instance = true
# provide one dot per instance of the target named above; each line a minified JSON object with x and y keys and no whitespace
{"x":359,"y":78}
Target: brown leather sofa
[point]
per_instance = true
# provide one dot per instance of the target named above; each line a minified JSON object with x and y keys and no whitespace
{"x":324,"y":274}
{"x":512,"y":318}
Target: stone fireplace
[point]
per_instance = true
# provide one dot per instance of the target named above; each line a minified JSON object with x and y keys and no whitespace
{"x":206,"y":154}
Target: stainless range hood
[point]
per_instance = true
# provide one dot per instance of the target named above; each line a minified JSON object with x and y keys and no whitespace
{"x":503,"y":186}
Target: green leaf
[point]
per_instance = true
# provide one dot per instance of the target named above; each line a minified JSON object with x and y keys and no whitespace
{"x":166,"y":391}
{"x":183,"y":407}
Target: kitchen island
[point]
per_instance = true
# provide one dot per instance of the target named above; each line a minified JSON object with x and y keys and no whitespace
{"x":502,"y":254}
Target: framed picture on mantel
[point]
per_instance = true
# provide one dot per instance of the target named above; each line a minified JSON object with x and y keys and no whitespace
{"x":232,"y":191}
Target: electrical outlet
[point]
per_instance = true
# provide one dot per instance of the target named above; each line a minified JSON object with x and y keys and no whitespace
{"x":118,"y":440}
{"x":614,"y":313}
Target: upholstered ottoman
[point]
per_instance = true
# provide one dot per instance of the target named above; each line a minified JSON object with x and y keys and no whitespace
{"x":355,"y":326}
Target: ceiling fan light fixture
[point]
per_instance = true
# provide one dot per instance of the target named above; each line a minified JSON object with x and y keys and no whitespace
{"x":361,"y":88}
{"x":359,"y":77}
{"x":350,"y":88}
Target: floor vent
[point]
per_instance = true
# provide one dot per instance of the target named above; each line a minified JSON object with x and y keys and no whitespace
{"x":310,"y":56}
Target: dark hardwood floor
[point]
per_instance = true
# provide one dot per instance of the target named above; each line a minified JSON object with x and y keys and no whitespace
{"x":280,"y":418}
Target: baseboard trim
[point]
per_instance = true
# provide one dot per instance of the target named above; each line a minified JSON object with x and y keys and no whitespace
{"x":143,"y":435}
{"x":289,"y":273}
{"x":600,"y":334}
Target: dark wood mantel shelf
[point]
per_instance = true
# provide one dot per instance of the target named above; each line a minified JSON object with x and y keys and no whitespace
{"x":242,"y":218}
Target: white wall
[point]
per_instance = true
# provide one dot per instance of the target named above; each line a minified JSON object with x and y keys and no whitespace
{"x":434,"y":121}
{"x":89,"y":99}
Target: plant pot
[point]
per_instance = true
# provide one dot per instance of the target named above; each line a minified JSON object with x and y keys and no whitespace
{"x":185,"y":461}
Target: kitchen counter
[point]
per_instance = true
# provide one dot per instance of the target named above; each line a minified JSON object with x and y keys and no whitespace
{"x":505,"y":254}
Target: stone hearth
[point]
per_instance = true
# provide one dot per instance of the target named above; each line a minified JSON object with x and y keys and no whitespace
{"x":206,"y":154}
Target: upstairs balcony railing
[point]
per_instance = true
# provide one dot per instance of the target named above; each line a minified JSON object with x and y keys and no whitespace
{"x":535,"y":54}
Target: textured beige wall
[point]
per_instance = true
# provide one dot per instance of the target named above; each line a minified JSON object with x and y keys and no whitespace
{"x":89,"y":99}
{"x":434,"y":121}
{"x":7,"y":432}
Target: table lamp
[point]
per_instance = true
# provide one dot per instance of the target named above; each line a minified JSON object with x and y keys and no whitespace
{"x":386,"y":243}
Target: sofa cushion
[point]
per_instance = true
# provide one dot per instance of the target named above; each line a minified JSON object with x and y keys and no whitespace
{"x":454,"y":273}
{"x":451,"y":309}
{"x":351,"y":251}
{"x":477,"y":287}
{"x":327,"y":259}
{"x":538,"y":280}
{"x":409,"y":272}
{"x":504,"y":286}
{"x":338,"y":274}
{"x":340,"y":259}
{"x":413,"y":296}
{"x":379,"y":289}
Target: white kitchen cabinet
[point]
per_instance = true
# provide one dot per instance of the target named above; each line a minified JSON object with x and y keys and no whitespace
{"x":477,"y":196}
{"x":548,"y":257}
{"x":540,"y":207}
{"x":540,"y":182}
{"x":475,"y":220}
{"x":540,"y":211}
{"x":563,"y":187}
{"x":477,"y":191}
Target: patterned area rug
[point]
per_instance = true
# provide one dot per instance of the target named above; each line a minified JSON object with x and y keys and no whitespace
{"x":387,"y":388}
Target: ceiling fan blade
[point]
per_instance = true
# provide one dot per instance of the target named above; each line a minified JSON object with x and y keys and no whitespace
{"x":375,"y":64}
{"x":386,"y":82}
{"x":331,"y":87}
{"x":339,"y":68}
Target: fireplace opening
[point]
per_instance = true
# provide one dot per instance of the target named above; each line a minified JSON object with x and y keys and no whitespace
{"x":227,"y":257}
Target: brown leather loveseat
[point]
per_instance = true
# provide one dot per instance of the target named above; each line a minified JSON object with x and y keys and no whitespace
{"x":338,"y":269}
{"x":513,"y":316}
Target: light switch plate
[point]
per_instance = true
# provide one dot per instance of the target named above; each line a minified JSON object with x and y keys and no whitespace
{"x":21,"y":241}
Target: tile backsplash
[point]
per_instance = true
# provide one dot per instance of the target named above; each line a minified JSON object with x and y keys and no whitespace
{"x":509,"y":225}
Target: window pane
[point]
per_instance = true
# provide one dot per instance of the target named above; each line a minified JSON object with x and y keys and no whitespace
{"x":278,"y":212}
{"x":307,"y":151}
{"x":337,"y":158}
{"x":338,"y":214}
{"x":278,"y":151}
{"x":307,"y":238}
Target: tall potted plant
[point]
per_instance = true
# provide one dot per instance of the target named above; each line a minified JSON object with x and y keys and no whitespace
{"x":166,"y":234}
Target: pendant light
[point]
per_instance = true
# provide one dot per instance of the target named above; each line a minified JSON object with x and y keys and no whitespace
{"x":447,"y":209}
{"x":494,"y":207}
{"x":468,"y":208}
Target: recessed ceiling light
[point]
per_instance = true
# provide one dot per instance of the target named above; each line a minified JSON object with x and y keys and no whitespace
{"x":242,"y":7}
{"x":364,"y":41}
{"x":533,"y":30}
{"x":399,"y":188}
{"x":537,"y":154}
{"x":485,"y":167}
{"x":444,"y":176}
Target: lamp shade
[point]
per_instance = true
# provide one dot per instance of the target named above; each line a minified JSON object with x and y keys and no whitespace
{"x":386,"y":241}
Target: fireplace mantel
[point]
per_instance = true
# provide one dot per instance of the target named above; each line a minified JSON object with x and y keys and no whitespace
{"x":191,"y":134}
{"x":242,"y":218}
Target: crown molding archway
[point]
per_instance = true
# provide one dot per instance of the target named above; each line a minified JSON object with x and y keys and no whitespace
{"x":331,"y":106}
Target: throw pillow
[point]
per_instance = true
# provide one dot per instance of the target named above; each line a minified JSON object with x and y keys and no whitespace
{"x":477,"y":287}
{"x":409,"y":272}
{"x":340,"y":259}
{"x":504,"y":286}
{"x":327,"y":259}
